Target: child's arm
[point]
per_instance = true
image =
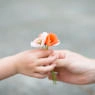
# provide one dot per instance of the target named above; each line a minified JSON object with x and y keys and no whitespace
{"x":34,"y":63}
{"x":7,"y":67}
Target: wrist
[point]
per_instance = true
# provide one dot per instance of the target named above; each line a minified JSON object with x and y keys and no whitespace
{"x":11,"y":61}
{"x":14,"y":64}
{"x":7,"y":67}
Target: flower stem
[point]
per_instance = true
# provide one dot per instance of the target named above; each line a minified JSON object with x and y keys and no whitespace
{"x":46,"y":47}
{"x":53,"y":77}
{"x":52,"y":72}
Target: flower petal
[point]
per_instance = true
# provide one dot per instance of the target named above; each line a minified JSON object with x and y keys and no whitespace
{"x":39,"y":41}
{"x":51,"y":39}
{"x":57,"y":44}
{"x":43,"y":36}
{"x":33,"y":44}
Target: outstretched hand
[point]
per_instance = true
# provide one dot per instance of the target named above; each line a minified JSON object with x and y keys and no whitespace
{"x":74,"y":68}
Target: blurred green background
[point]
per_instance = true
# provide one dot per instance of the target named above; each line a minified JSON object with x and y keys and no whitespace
{"x":22,"y":20}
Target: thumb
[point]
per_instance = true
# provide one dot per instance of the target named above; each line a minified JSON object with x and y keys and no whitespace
{"x":60,"y":62}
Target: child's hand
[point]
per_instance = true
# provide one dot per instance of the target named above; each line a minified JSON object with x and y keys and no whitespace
{"x":35,"y":63}
{"x":74,"y":68}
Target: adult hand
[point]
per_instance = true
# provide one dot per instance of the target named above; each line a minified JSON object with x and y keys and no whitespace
{"x":74,"y":68}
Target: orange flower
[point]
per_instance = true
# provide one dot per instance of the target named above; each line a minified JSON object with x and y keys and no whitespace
{"x":45,"y":39}
{"x":51,"y":40}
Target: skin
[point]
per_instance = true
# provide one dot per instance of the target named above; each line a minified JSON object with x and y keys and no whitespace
{"x":34,"y":63}
{"x":74,"y":68}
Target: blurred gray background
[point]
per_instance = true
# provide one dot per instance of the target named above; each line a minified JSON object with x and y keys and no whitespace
{"x":22,"y":20}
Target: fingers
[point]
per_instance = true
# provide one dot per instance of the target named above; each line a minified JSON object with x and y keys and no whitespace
{"x":37,"y":75}
{"x":42,"y":53}
{"x":59,"y":53}
{"x":45,"y":69}
{"x":46,"y":61}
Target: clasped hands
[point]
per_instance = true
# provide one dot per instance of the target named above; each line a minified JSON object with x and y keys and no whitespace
{"x":71,"y":67}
